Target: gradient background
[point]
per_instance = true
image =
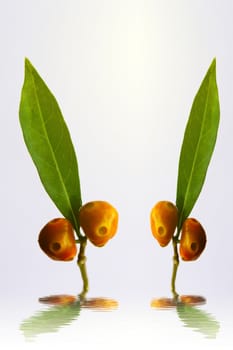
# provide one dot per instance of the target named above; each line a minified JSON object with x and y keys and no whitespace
{"x":124,"y":73}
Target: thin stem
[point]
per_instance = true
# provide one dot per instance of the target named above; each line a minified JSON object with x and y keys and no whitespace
{"x":175,"y":265}
{"x":82,"y":266}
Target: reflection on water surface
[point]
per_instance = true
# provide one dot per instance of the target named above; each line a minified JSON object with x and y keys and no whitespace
{"x":189,"y":313}
{"x":63,"y":310}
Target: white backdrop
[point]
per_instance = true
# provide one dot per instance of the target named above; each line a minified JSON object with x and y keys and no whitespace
{"x":125,"y":73}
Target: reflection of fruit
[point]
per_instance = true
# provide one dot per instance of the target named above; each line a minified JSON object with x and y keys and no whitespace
{"x":102,"y":304}
{"x":57,"y":240}
{"x":193,"y":240}
{"x":167,"y":303}
{"x":163,"y":303}
{"x":163,"y":220}
{"x":61,"y":299}
{"x":192,"y":299}
{"x":99,"y":221}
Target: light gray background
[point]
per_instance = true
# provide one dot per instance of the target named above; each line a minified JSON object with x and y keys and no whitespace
{"x":125,"y":74}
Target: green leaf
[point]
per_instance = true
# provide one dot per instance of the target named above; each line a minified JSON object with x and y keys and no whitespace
{"x":198,"y":320}
{"x":198,"y":144}
{"x":49,"y":144}
{"x":50,"y":320}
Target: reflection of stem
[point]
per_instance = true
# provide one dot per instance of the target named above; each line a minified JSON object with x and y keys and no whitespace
{"x":175,"y":266}
{"x":82,"y":266}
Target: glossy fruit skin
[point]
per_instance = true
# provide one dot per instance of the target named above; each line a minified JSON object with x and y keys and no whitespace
{"x":57,"y":240}
{"x":99,"y":221}
{"x":192,"y":240}
{"x":163,"y":221}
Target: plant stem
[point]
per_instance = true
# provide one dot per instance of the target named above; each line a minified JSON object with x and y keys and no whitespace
{"x":77,"y":230}
{"x":82,"y":266}
{"x":175,"y":266}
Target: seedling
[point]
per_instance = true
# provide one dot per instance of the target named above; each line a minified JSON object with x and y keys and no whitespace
{"x":170,"y":222}
{"x":49,"y":143}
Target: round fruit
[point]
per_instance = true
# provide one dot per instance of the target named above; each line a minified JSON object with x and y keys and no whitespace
{"x":163,"y":221}
{"x":193,"y":240}
{"x":99,"y":221}
{"x":57,"y":240}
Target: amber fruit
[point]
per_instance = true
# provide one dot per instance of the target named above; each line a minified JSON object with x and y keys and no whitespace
{"x":99,"y":221}
{"x":57,"y":240}
{"x":163,"y":221}
{"x":193,"y":240}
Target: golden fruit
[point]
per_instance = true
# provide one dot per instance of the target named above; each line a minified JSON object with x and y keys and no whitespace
{"x":99,"y":221}
{"x":193,"y":240}
{"x":57,"y":240}
{"x":163,"y":221}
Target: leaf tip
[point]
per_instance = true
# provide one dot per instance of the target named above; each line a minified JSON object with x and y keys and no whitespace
{"x":27,"y":64}
{"x":213,"y":65}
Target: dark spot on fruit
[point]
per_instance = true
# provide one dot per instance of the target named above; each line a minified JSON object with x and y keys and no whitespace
{"x":103,"y":230}
{"x":56,"y":246}
{"x":193,"y":246}
{"x":160,"y":230}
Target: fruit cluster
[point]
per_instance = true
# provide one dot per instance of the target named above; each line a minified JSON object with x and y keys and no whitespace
{"x":164,"y":221}
{"x":98,"y":220}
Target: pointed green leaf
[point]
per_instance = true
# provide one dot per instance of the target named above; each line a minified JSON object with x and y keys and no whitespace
{"x":49,"y":144}
{"x":198,"y":144}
